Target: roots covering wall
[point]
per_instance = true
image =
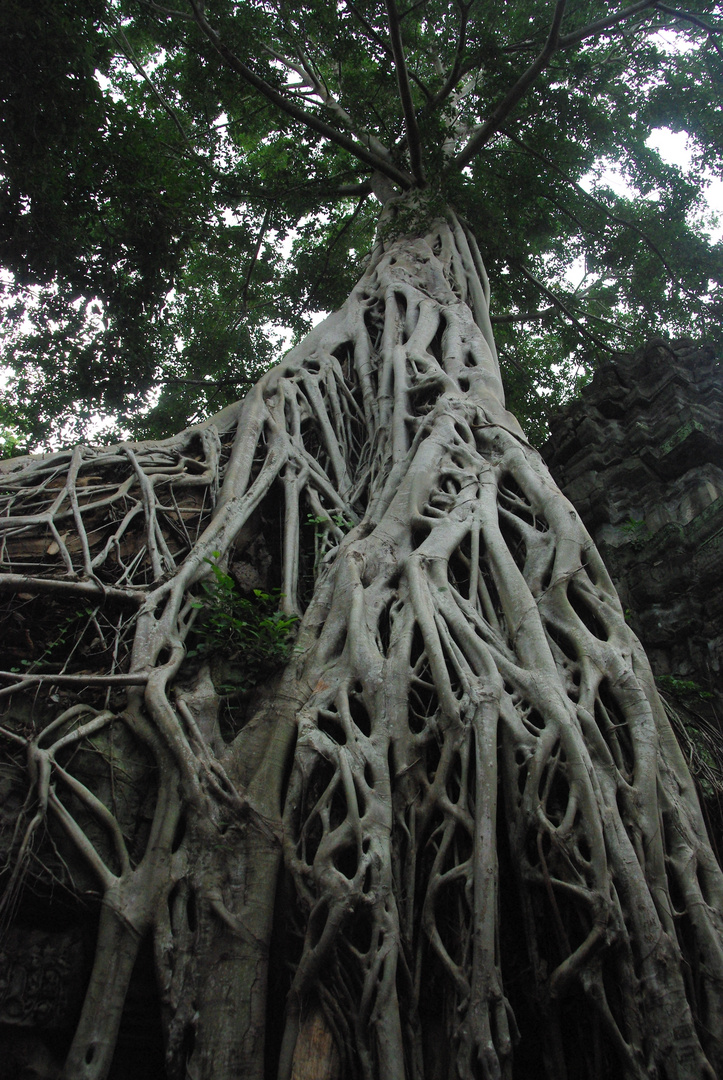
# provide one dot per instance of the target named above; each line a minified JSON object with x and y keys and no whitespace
{"x":452,"y":835}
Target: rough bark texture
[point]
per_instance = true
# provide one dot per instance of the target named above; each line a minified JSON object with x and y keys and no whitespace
{"x":455,"y":836}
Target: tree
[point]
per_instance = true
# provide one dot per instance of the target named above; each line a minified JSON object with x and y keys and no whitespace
{"x":413,"y":796}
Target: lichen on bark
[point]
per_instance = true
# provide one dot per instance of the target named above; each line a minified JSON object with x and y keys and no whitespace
{"x":461,"y":797}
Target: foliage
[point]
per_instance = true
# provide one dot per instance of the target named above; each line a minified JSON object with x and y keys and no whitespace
{"x":13,"y":440}
{"x":253,"y":633}
{"x":11,"y":443}
{"x":637,"y":532}
{"x":699,"y":739}
{"x":683,"y":688}
{"x":698,"y":736}
{"x":160,"y":214}
{"x":67,"y":637}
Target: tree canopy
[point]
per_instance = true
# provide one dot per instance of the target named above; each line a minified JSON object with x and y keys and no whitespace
{"x":178,"y":182}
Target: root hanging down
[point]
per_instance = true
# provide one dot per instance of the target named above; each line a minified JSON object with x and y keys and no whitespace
{"x":463,"y":786}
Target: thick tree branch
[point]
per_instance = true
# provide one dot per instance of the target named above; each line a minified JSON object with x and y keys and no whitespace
{"x":352,"y":190}
{"x":379,"y":40}
{"x":518,"y":91}
{"x":414,"y":139}
{"x":555,"y":43}
{"x":90,"y":679}
{"x":317,"y":88}
{"x":100,"y":811}
{"x":105,"y":876}
{"x":23,"y":583}
{"x":316,"y":190}
{"x":456,"y":71}
{"x":607,"y":23}
{"x":309,"y":120}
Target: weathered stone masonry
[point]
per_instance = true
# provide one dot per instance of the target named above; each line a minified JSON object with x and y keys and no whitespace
{"x":640,"y":455}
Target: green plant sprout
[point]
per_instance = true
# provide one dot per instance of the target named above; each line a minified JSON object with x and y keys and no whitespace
{"x":327,"y":530}
{"x":330,"y":519}
{"x":252,"y":633}
{"x":637,"y":531}
{"x":683,"y":688}
{"x":66,"y":631}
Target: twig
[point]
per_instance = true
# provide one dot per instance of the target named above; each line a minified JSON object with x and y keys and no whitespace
{"x":596,"y":202}
{"x":318,"y":88}
{"x":127,"y":49}
{"x":524,"y":316}
{"x":605,"y":24}
{"x":696,"y":21}
{"x":563,"y":307}
{"x":555,"y":43}
{"x":379,"y":40}
{"x":456,"y":70}
{"x":254,"y":256}
{"x":518,"y":91}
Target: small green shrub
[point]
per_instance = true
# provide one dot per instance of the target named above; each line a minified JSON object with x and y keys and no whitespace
{"x":319,"y":522}
{"x":637,"y":531}
{"x":326,"y":529}
{"x":683,"y":688}
{"x":67,"y":637}
{"x":252,"y":635}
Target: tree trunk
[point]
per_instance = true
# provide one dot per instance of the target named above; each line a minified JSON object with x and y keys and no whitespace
{"x":462,"y":796}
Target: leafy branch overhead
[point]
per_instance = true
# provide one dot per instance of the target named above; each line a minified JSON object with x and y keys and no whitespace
{"x":178,"y":181}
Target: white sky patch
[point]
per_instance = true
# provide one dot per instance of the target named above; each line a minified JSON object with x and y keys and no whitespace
{"x":671,"y":41}
{"x":675,"y":148}
{"x":282,"y":337}
{"x":107,"y":86}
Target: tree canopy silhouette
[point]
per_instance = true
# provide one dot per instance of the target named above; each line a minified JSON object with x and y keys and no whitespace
{"x":154,"y":162}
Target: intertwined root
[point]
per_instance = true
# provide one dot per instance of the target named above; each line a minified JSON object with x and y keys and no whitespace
{"x":482,"y":810}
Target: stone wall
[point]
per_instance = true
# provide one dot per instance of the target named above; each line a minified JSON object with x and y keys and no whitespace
{"x":640,"y":455}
